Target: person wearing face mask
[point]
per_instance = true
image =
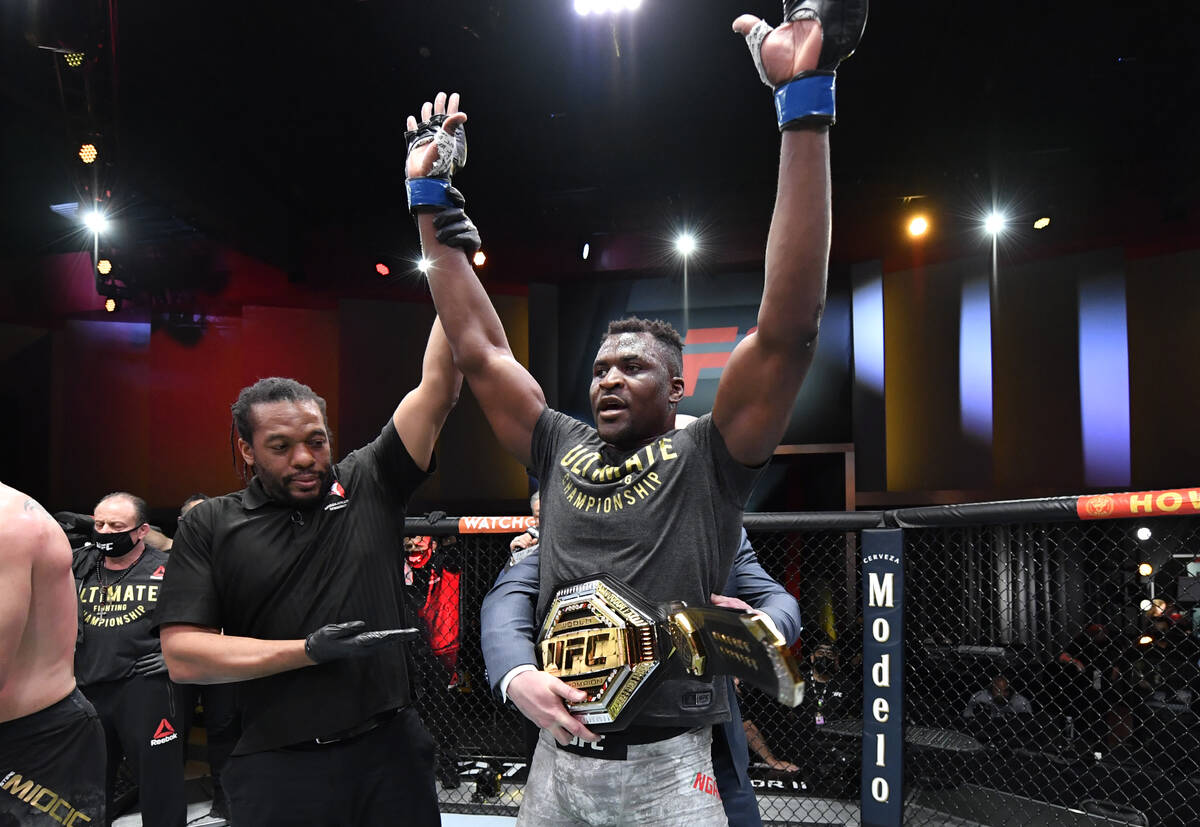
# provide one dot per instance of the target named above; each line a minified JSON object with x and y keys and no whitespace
{"x":829,"y":767}
{"x":831,"y":699}
{"x":119,"y":662}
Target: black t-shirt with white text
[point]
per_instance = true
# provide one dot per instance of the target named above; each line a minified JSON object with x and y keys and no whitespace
{"x":259,"y":568}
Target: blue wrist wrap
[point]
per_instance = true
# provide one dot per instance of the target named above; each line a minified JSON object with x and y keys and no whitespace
{"x":806,"y":100}
{"x":427,"y":192}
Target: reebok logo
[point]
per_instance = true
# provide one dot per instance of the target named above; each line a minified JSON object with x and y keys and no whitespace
{"x":158,"y":573}
{"x":164,"y":734}
{"x":336,"y":490}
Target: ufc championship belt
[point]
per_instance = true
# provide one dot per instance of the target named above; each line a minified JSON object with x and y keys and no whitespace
{"x":603,"y":637}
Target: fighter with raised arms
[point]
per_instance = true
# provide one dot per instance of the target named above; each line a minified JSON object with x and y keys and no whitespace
{"x":659,"y":507}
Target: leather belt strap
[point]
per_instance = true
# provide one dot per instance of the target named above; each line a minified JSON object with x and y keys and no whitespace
{"x":374,"y":722}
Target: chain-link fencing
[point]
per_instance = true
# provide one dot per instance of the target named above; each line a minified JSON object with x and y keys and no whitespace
{"x":1051,"y":671}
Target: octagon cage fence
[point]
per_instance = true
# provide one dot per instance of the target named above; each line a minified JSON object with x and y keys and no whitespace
{"x":1046,"y":671}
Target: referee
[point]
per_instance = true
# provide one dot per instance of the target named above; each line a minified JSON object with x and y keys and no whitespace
{"x":303,"y":571}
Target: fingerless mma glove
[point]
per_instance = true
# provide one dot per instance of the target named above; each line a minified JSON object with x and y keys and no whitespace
{"x":807,"y":100}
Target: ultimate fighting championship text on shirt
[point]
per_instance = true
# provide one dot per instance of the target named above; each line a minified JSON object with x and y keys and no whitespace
{"x":637,"y":481}
{"x":119,"y":605}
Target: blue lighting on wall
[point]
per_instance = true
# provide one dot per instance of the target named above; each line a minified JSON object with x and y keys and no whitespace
{"x":868,"y":333}
{"x":1104,"y":380}
{"x":975,"y":359}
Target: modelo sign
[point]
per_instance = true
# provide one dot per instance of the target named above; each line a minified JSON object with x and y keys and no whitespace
{"x":883,"y":677}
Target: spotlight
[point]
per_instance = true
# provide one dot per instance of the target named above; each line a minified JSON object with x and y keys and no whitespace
{"x":1143,"y":533}
{"x":685,"y":243}
{"x":1146,"y":605}
{"x":96,"y":222}
{"x":587,"y":250}
{"x":586,"y":7}
{"x":104,"y":267}
{"x":918,"y":226}
{"x":111,"y":305}
{"x":88,"y":153}
{"x":1145,"y":640}
{"x":74,"y":59}
{"x":382,"y":269}
{"x":1145,"y":569}
{"x":1042,"y":223}
{"x":994,"y":223}
{"x":480,"y":258}
{"x":423,"y":265}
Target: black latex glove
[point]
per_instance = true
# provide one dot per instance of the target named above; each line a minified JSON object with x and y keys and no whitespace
{"x":151,"y":664}
{"x":348,"y":640}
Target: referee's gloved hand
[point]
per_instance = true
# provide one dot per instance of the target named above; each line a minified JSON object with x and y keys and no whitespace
{"x":151,"y":664}
{"x":335,"y":641}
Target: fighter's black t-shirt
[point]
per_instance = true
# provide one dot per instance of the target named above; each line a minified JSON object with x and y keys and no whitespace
{"x":261,"y":569}
{"x":665,"y":518}
{"x":116,"y":624}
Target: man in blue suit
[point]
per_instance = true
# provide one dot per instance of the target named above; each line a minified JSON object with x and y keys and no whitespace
{"x":509,"y":629}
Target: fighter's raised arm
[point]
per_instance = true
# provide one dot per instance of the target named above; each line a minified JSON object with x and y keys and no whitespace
{"x":508,"y":394}
{"x":422,"y":412}
{"x":764,"y":374}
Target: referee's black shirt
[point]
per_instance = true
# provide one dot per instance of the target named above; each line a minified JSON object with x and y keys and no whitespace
{"x":259,"y":568}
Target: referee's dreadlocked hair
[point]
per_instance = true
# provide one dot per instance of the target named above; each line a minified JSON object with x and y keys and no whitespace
{"x":271,"y":389}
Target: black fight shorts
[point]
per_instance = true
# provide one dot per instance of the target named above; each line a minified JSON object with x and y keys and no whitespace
{"x":52,"y":767}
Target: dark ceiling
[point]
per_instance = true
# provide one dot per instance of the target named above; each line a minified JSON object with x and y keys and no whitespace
{"x":277,"y":128}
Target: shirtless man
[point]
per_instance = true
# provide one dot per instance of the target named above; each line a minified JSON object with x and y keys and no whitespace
{"x":51,"y":741}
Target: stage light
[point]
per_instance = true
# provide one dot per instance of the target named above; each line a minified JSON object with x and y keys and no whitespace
{"x":586,"y":7}
{"x":88,"y":153}
{"x":480,"y":258}
{"x":382,"y":269}
{"x":1145,"y":569}
{"x":1146,"y":605}
{"x":1143,"y":533}
{"x":104,"y":267}
{"x":96,"y":222}
{"x":423,"y":265}
{"x":1042,"y":223}
{"x":994,"y":223}
{"x":1145,"y":640}
{"x":111,"y":305}
{"x":587,"y":250}
{"x":918,"y":226}
{"x":74,"y":59}
{"x":685,"y":244}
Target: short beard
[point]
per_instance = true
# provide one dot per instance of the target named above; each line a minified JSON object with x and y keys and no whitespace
{"x":278,"y":492}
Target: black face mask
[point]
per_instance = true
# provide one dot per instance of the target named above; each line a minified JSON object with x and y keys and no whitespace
{"x":117,"y":544}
